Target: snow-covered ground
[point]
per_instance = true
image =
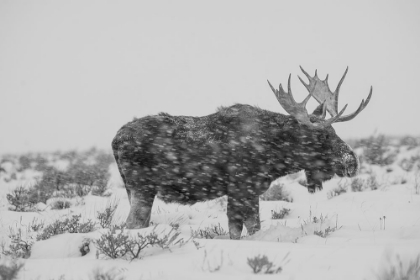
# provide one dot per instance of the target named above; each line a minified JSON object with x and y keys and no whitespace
{"x":372,"y":232}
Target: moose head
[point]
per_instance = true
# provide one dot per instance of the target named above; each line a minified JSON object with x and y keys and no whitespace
{"x":313,"y":134}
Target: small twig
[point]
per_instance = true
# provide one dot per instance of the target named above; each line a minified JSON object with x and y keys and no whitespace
{"x":336,"y":221}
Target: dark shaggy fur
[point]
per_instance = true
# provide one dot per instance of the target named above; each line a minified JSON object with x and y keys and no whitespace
{"x":237,"y":151}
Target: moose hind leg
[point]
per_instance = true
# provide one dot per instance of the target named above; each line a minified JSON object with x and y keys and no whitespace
{"x":140,"y":210}
{"x":252,"y":216}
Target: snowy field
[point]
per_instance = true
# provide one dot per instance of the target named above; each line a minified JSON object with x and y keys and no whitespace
{"x":364,"y":228}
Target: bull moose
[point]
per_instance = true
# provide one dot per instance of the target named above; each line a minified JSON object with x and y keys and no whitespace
{"x":237,"y":151}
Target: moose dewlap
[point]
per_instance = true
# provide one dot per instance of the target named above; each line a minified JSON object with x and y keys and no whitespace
{"x":237,"y":151}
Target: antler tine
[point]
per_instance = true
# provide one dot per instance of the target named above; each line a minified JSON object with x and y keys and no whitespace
{"x":337,"y":90}
{"x":285,"y":99}
{"x":289,"y":90}
{"x":324,"y":111}
{"x":362,"y":106}
{"x":307,"y":76}
{"x":321,"y":92}
{"x":304,"y":72}
{"x":297,"y":110}
{"x":334,"y":119}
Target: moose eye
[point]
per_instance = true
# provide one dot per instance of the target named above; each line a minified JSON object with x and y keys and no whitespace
{"x":323,"y":137}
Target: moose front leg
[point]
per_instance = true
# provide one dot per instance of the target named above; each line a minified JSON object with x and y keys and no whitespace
{"x":243,"y":211}
{"x":313,"y":180}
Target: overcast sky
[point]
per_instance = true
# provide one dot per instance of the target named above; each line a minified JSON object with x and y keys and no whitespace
{"x":73,"y":72}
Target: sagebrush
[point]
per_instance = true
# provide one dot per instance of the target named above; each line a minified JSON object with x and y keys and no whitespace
{"x":115,"y":243}
{"x":69,"y":224}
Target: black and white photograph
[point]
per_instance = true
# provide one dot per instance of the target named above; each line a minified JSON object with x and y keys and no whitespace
{"x":148,"y":140}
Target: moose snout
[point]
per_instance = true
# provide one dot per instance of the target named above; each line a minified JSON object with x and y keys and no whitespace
{"x":349,"y":166}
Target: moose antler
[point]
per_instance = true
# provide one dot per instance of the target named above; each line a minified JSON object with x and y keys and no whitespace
{"x":298,"y":110}
{"x":321,"y":92}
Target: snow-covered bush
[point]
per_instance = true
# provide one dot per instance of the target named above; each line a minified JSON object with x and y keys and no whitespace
{"x":376,"y":150}
{"x":410,"y":164}
{"x":65,"y":174}
{"x":410,"y":142}
{"x":357,"y":184}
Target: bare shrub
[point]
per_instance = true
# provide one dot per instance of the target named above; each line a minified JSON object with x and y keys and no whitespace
{"x":54,"y":179}
{"x":10,"y":271}
{"x":324,"y":233}
{"x":84,"y":248}
{"x":60,"y":204}
{"x":18,"y":248}
{"x":371,"y":182}
{"x":169,"y":239}
{"x":376,"y":150}
{"x":417,"y":182}
{"x":399,"y":272}
{"x":410,"y":142}
{"x":70,"y":225}
{"x":410,"y":164}
{"x":20,"y":199}
{"x":82,"y":190}
{"x":209,"y":232}
{"x":100,"y":188}
{"x":116,"y":245}
{"x":110,"y":274}
{"x":340,"y":189}
{"x":41,"y":192}
{"x":261,"y":264}
{"x":357,"y":184}
{"x":94,"y":174}
{"x":280,"y":214}
{"x":35,"y":225}
{"x":24,"y":162}
{"x":86,"y":169}
{"x":105,"y":217}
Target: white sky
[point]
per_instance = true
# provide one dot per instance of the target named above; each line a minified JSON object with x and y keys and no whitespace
{"x":73,"y":72}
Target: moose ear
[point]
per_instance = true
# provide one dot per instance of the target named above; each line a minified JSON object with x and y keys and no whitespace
{"x":320,"y":111}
